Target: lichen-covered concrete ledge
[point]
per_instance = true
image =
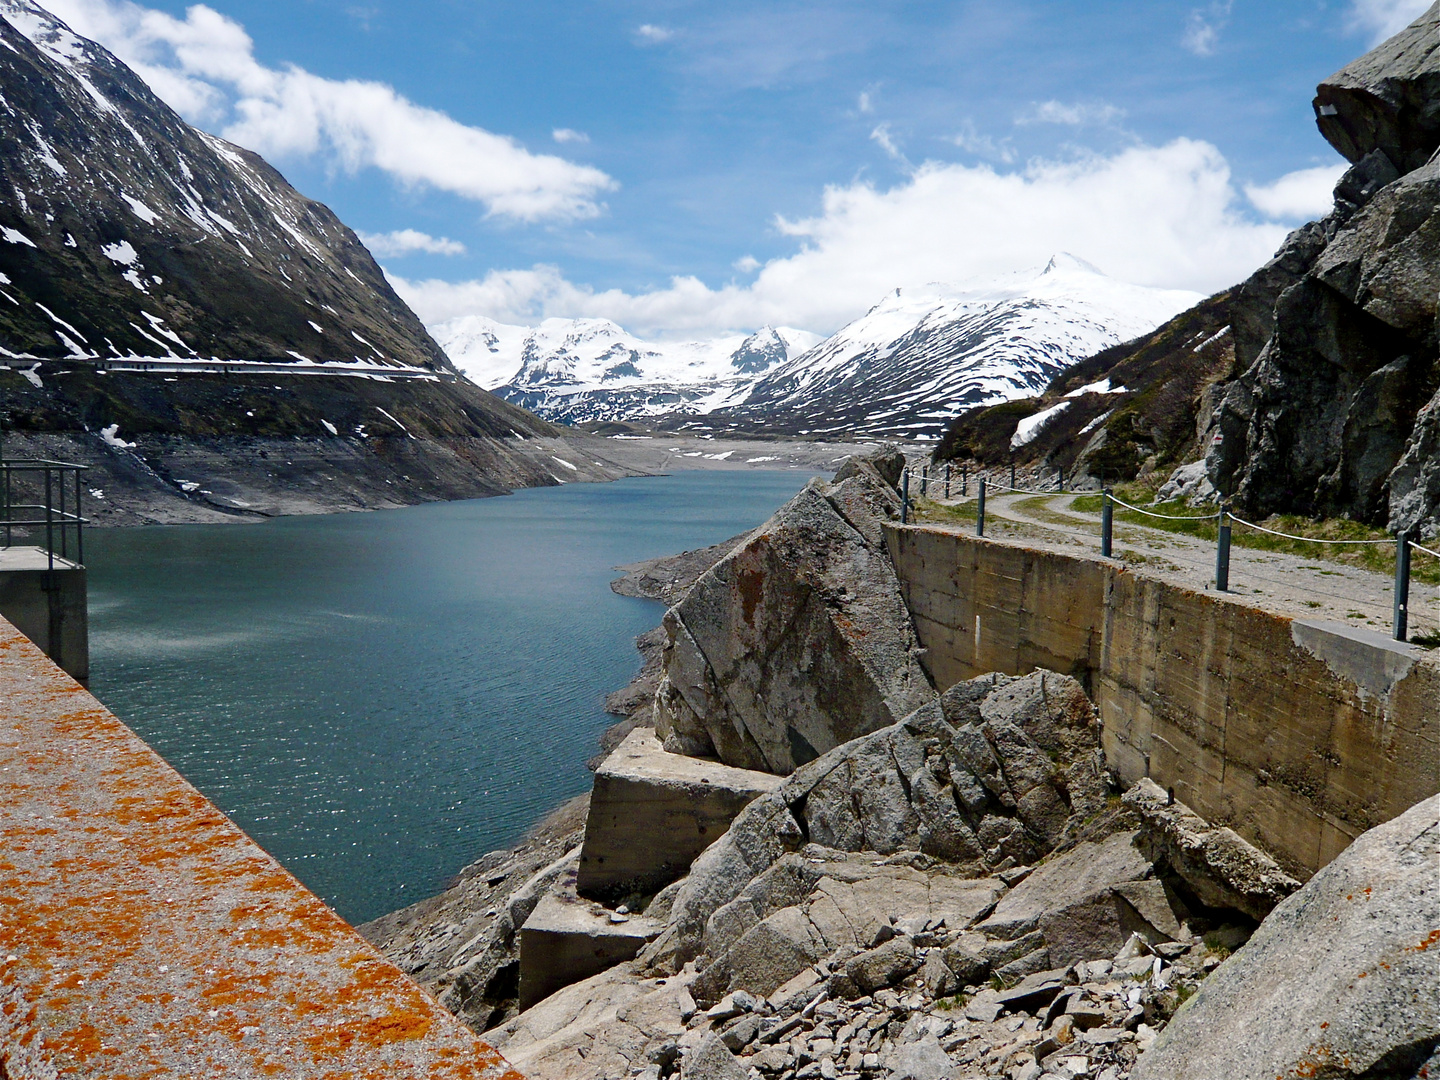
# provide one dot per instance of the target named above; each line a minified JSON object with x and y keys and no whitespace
{"x":143,"y":935}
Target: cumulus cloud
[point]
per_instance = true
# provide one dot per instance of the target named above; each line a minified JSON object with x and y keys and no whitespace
{"x":1203,"y":27}
{"x":569,"y":135}
{"x":1167,"y":216}
{"x":1385,"y":18}
{"x":650,"y":34}
{"x":409,"y":241}
{"x":204,"y":66}
{"x":747,"y":264}
{"x":1297,"y":196}
{"x":1076,"y":114}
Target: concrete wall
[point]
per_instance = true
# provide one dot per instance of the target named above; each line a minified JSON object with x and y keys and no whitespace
{"x":1298,"y":735}
{"x":49,"y":607}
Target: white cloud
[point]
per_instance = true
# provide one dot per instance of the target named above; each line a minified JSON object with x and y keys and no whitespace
{"x":973,"y":141}
{"x":1167,"y":216}
{"x":1384,"y":18}
{"x":865,"y":103}
{"x":1076,"y":114}
{"x":407,"y":242}
{"x":1297,"y":196}
{"x":881,"y":136}
{"x":204,"y":66}
{"x":1203,"y":26}
{"x":650,"y":34}
{"x":747,"y":264}
{"x":569,"y":135}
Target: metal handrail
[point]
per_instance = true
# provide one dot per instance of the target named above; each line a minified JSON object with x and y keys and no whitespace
{"x":52,"y":513}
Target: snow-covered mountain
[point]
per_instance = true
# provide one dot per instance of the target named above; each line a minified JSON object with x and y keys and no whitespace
{"x":921,"y":356}
{"x":914,"y":361}
{"x":576,"y":370}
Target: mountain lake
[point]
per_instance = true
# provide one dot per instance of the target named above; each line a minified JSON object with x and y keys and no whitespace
{"x":380,"y":698}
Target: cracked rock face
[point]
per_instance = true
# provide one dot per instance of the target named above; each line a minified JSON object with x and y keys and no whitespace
{"x":798,"y":640}
{"x":996,"y":774}
{"x":1336,"y":336}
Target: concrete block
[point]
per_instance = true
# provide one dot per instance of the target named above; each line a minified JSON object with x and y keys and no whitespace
{"x":567,"y":939}
{"x":49,"y":607}
{"x":652,"y":812}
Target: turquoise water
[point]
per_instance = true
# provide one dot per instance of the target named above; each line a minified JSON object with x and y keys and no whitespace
{"x":380,"y":698}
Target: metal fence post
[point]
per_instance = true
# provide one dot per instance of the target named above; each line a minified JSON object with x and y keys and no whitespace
{"x":924,"y":481}
{"x":1222,"y":552}
{"x":905,"y":497}
{"x":947,"y":480}
{"x":1062,"y":477}
{"x":1107,"y":524}
{"x":964,"y":481}
{"x":1402,"y":587}
{"x":980,"y":512}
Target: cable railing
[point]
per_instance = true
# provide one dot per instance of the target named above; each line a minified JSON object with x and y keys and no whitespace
{"x":40,"y":501}
{"x":1223,"y":518}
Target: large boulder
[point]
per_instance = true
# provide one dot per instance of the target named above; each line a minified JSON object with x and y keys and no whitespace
{"x":797,"y":641}
{"x":1389,"y":99}
{"x":1339,"y":981}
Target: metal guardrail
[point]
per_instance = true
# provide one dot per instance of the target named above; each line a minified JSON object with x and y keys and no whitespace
{"x":1224,"y":519}
{"x":45,"y":483}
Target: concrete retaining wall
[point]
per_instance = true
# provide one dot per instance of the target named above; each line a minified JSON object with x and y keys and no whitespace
{"x":48,"y":606}
{"x":1298,"y":735}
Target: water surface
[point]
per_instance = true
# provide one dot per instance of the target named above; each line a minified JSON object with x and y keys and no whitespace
{"x":380,"y":698}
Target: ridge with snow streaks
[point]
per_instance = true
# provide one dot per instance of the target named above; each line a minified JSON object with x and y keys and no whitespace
{"x":129,"y":234}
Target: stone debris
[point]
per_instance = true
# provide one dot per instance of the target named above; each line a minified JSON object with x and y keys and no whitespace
{"x":1091,"y":1019}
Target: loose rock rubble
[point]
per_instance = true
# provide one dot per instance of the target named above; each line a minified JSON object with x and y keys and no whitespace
{"x":896,"y":1011}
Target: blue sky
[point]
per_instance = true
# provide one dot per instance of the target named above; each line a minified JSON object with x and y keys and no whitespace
{"x":686,"y":168}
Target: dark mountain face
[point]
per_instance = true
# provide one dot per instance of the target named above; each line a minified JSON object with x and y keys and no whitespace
{"x":126,"y":232}
{"x":212,"y":343}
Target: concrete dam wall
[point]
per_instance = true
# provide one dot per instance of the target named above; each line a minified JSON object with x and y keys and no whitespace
{"x":1298,"y":735}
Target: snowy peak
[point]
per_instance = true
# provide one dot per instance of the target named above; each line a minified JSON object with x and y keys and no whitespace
{"x":574,"y":370}
{"x":916,"y":359}
{"x":923,"y":355}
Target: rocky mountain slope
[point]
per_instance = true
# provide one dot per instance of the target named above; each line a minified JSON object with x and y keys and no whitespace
{"x":905,"y":368}
{"x":1314,"y":386}
{"x":174,"y":312}
{"x":578,"y":370}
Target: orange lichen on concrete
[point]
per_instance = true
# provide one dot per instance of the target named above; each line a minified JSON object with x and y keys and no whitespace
{"x":142,"y":934}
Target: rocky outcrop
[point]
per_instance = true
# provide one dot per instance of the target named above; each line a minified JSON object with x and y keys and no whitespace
{"x":1339,"y":981}
{"x":1320,"y":419}
{"x":798,"y":640}
{"x":995,"y":775}
{"x":1388,"y":100}
{"x":1217,"y":865}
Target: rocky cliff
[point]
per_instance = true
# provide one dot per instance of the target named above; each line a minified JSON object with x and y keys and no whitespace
{"x":174,"y":312}
{"x":1313,"y":387}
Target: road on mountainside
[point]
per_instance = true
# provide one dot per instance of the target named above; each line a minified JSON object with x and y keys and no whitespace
{"x":1308,"y":588}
